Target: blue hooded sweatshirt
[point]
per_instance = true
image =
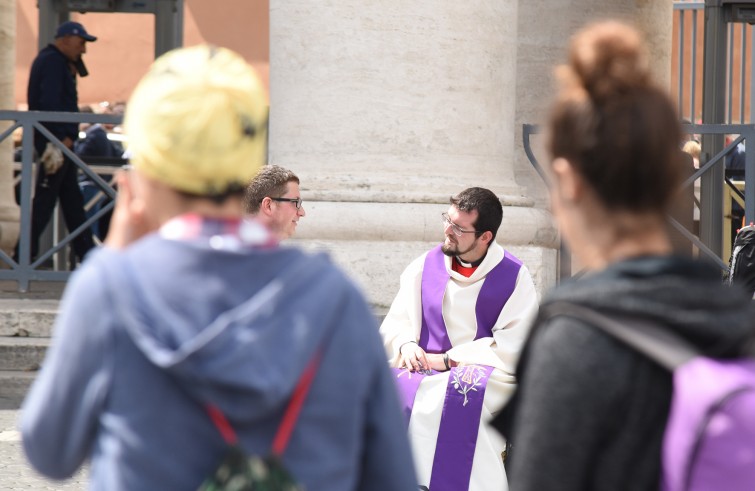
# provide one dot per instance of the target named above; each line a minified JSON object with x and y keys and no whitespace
{"x":148,"y":335}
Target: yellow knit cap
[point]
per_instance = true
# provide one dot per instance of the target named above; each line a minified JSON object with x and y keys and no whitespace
{"x":197,"y":121}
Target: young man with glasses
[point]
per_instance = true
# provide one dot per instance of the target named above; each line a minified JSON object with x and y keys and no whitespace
{"x":453,"y":335}
{"x":273,"y":198}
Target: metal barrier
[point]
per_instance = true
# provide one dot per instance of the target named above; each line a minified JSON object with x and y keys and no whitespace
{"x":23,"y":269}
{"x":747,"y":198}
{"x":733,"y":193}
{"x":687,"y":71}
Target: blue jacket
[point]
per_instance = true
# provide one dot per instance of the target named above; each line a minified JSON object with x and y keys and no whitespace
{"x":96,"y":144}
{"x":52,"y":87}
{"x":147,"y":335}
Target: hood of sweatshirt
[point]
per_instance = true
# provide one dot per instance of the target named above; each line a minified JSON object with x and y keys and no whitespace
{"x":685,"y":295}
{"x":235,"y":328}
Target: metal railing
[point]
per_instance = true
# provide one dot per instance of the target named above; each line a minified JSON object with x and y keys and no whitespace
{"x":687,"y":71}
{"x":745,"y":132}
{"x":24,"y":268}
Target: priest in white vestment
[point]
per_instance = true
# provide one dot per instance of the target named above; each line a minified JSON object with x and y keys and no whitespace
{"x":453,"y":335}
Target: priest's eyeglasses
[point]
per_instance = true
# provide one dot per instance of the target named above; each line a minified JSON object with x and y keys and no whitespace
{"x":296,"y":201}
{"x":458,"y":231}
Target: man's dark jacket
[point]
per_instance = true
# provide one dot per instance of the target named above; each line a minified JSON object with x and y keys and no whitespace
{"x":52,"y":87}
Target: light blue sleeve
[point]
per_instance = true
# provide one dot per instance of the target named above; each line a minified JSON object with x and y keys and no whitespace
{"x":60,"y":415}
{"x":387,"y":461}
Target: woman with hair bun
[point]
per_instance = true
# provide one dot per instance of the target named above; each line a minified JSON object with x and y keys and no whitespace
{"x":590,"y":412}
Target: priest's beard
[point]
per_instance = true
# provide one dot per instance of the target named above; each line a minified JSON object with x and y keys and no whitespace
{"x":452,"y":249}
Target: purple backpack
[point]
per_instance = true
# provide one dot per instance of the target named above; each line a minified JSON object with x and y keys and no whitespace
{"x":709,"y":441}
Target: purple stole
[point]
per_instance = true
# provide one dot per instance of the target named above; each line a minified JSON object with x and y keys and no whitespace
{"x":495,"y":292}
{"x":465,"y":392}
{"x":459,"y":422}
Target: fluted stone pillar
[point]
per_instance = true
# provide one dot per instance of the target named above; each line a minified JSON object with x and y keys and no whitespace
{"x":384,"y":109}
{"x":544,"y":28}
{"x":9,"y":211}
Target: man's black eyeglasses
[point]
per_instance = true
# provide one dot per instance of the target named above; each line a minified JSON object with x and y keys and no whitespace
{"x":296,"y":201}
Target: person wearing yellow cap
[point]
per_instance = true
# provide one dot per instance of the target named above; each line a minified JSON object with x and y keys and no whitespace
{"x":192,"y":328}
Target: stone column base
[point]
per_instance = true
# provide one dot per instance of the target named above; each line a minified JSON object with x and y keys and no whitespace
{"x":10,"y":227}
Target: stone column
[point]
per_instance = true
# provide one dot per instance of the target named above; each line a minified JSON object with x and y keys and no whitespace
{"x":384,"y":109}
{"x":545,"y":27}
{"x":9,"y":211}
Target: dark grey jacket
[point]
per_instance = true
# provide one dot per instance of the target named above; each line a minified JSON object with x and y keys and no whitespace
{"x":52,"y":87}
{"x":590,"y":412}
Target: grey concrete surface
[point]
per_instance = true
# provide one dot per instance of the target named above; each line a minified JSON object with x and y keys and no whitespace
{"x":27,"y":317}
{"x":25,"y":322}
{"x":37,"y":290}
{"x":13,"y":387}
{"x":15,"y":472}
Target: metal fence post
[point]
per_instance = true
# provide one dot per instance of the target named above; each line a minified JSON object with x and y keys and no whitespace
{"x":714,"y":112}
{"x":750,"y":174}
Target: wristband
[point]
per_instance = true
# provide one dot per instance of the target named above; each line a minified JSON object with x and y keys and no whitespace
{"x":399,"y":348}
{"x":445,"y":361}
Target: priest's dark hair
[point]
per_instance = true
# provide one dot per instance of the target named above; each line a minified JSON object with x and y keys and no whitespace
{"x":487,"y":204}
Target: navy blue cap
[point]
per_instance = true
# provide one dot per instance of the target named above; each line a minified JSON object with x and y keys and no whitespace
{"x":72,"y":28}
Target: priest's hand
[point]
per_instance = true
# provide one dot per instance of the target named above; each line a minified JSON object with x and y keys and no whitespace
{"x":436,"y":362}
{"x":413,"y":357}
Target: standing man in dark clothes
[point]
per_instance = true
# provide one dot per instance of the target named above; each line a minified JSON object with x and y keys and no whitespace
{"x":52,"y":87}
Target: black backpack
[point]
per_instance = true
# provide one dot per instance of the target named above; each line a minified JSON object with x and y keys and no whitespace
{"x":742,"y":262}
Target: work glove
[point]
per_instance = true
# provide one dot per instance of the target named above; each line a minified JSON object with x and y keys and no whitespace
{"x":52,"y":158}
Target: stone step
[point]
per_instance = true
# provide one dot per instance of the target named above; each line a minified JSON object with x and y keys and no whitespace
{"x":25,"y":330}
{"x":13,"y":388}
{"x":23,"y":354}
{"x":27,"y":317}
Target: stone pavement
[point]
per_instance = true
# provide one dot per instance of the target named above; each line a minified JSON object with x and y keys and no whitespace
{"x":15,"y":472}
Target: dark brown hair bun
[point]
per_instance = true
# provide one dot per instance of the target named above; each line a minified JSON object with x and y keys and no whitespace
{"x":613,"y":123}
{"x":609,"y":59}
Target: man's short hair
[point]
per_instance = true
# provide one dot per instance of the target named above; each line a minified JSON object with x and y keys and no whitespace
{"x":271,"y":181}
{"x":487,"y":204}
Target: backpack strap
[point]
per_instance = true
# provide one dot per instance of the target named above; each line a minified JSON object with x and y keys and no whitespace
{"x":665,"y":348}
{"x":286,"y":427}
{"x":280,"y":442}
{"x":222,"y":424}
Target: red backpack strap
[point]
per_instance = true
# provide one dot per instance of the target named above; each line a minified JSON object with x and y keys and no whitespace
{"x":294,"y":406}
{"x":282,"y":436}
{"x":222,"y":424}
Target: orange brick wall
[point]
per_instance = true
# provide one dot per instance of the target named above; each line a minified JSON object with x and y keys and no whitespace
{"x":125,"y":47}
